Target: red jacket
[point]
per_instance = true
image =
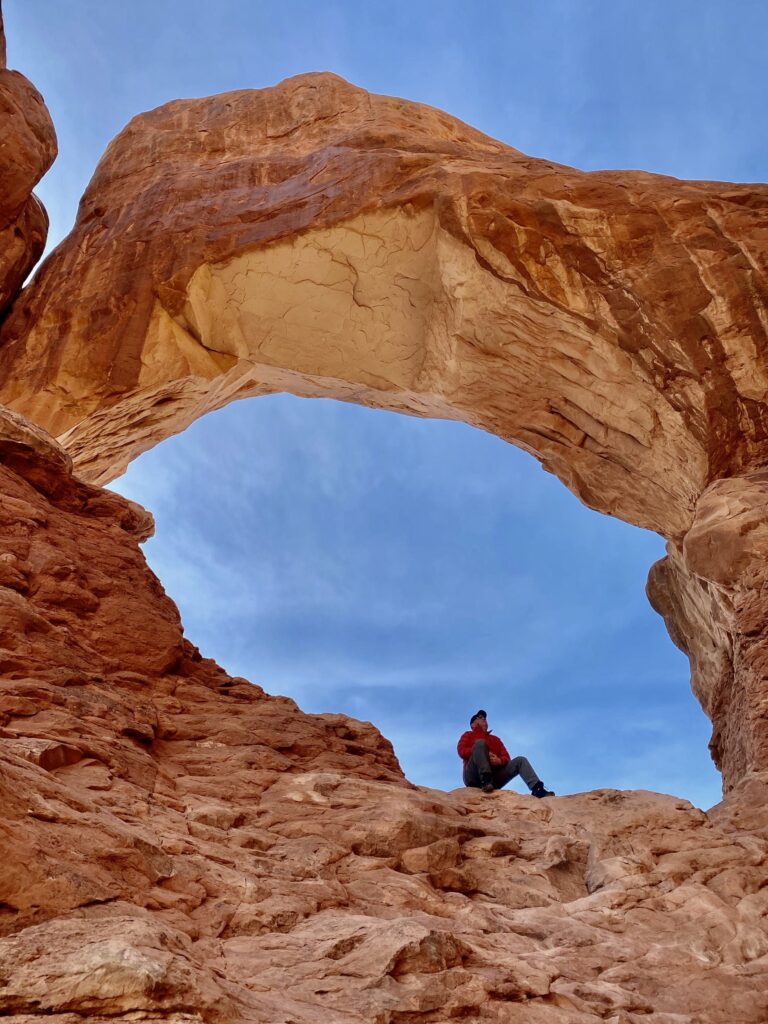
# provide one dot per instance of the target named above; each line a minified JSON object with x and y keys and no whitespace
{"x":470,"y":738}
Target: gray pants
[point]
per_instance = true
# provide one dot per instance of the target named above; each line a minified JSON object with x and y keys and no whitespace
{"x":479,"y":769}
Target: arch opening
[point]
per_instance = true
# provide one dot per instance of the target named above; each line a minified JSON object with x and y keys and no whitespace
{"x":403,"y":570}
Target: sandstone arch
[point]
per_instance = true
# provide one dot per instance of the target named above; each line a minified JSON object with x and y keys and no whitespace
{"x":317,"y":239}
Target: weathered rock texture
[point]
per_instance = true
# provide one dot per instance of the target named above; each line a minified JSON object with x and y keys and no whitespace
{"x":177,"y":846}
{"x":317,"y":239}
{"x":27,"y":150}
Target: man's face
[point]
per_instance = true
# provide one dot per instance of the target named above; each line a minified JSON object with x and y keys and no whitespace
{"x":480,"y":723}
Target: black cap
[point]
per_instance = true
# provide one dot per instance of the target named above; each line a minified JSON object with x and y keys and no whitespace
{"x":477,"y":714}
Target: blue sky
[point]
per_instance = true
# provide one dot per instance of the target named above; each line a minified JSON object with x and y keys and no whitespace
{"x":404,"y":571}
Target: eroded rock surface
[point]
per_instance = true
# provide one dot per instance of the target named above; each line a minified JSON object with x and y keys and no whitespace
{"x":176,"y":845}
{"x":27,"y":149}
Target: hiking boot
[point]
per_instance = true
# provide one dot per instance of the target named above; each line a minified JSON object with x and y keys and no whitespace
{"x":487,"y":786}
{"x":539,"y":791}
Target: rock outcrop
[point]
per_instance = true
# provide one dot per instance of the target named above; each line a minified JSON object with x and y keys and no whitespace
{"x":178,"y":846}
{"x":27,"y":150}
{"x":317,"y":239}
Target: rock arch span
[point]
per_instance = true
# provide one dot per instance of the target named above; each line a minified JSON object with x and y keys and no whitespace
{"x":317,"y":239}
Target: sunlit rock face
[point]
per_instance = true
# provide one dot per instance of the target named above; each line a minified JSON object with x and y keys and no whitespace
{"x":27,"y":149}
{"x":711,"y":591}
{"x":317,"y":239}
{"x":178,"y":846}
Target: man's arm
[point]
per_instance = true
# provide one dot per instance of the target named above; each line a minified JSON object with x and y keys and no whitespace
{"x":465,"y":744}
{"x":500,"y":755}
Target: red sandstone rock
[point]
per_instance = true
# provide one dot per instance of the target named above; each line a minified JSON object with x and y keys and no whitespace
{"x":27,"y":149}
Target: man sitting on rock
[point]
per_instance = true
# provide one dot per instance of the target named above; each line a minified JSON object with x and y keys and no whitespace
{"x":488,"y":766}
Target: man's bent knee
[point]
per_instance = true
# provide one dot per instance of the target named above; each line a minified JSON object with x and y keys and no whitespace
{"x":479,"y":745}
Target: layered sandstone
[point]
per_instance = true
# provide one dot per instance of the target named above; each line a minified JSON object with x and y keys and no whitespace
{"x":27,"y":149}
{"x":317,"y":239}
{"x":179,"y":846}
